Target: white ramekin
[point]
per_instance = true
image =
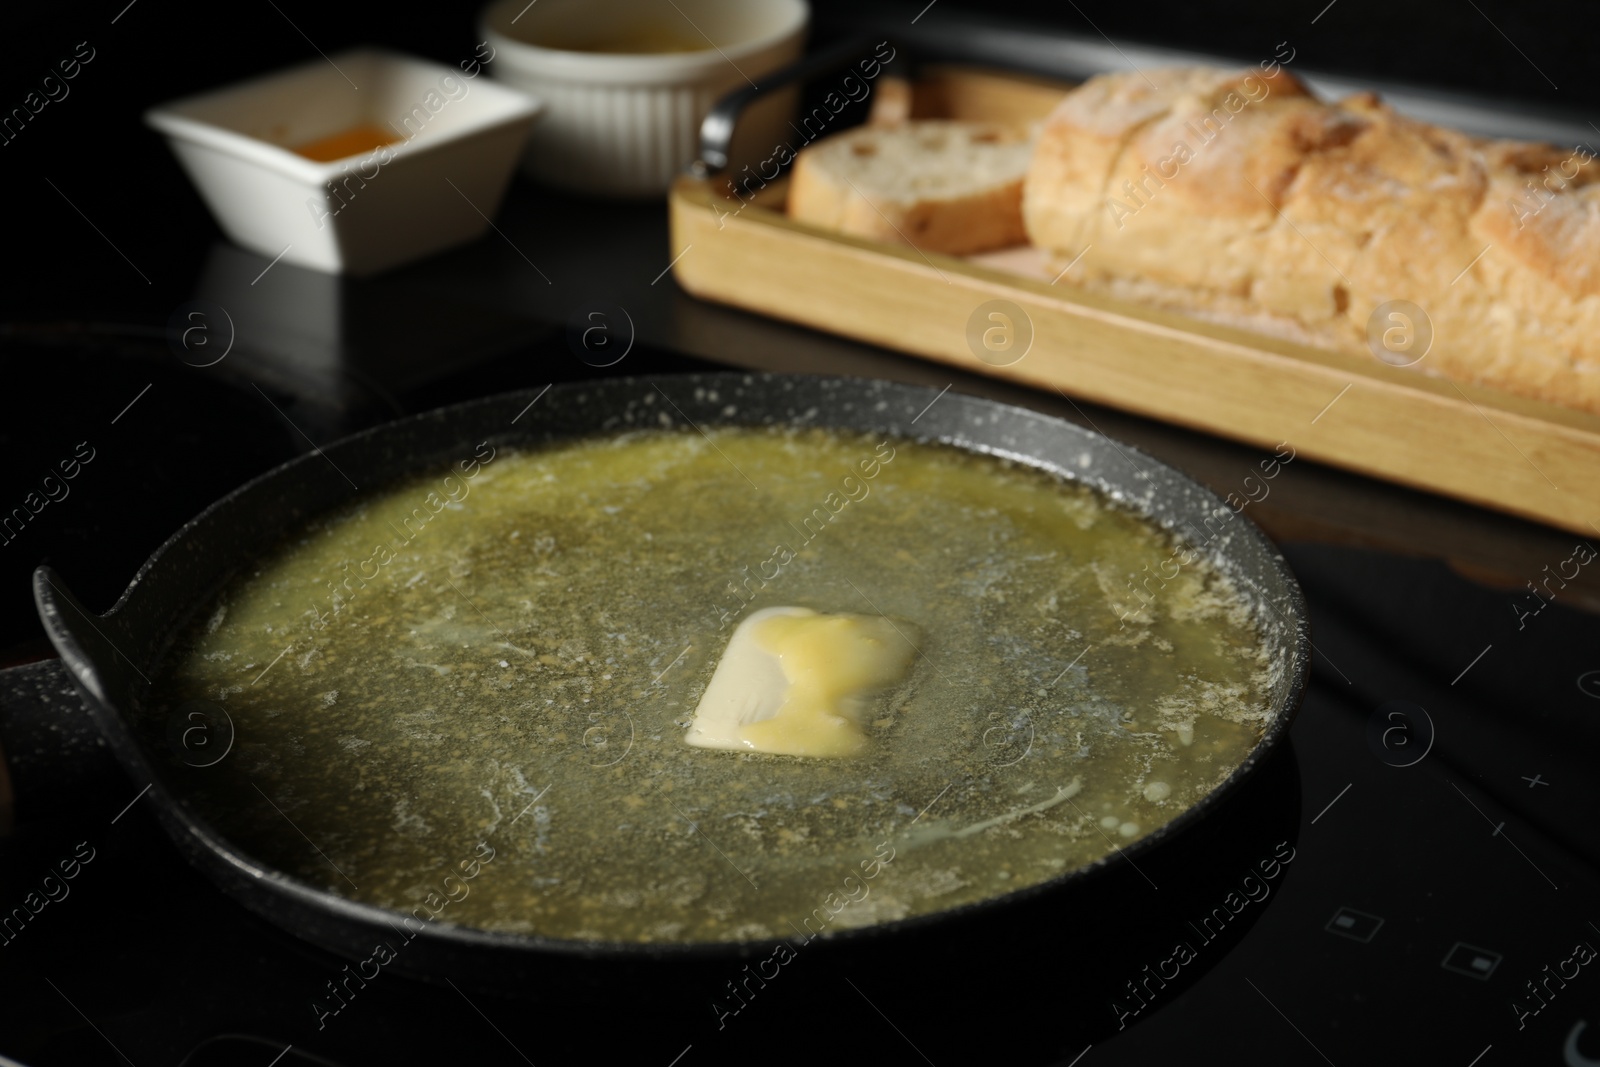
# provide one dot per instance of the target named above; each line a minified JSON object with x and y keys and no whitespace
{"x":435,"y":188}
{"x":626,"y":124}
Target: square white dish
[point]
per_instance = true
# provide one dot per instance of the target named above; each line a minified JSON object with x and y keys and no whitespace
{"x":437,"y":186}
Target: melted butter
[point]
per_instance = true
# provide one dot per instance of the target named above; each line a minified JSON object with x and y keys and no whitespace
{"x":641,"y":40}
{"x":519,"y":668}
{"x":829,"y":662}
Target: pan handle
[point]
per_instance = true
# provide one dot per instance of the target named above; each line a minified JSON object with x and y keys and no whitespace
{"x":54,"y":746}
{"x":86,"y":642}
{"x":716,"y":130}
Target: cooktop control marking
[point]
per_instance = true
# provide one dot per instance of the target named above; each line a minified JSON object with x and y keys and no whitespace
{"x":1471,"y":961}
{"x":1356,"y":925}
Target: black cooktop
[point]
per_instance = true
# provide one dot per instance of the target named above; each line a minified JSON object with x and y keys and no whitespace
{"x":1438,"y":800}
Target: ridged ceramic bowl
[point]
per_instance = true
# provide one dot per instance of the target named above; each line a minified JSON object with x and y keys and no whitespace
{"x":622,"y":114}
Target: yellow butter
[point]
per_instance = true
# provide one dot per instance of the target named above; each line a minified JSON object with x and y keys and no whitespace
{"x":793,"y":681}
{"x":829,"y":661}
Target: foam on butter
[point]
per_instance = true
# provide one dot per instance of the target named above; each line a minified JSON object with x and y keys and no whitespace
{"x":792,"y":682}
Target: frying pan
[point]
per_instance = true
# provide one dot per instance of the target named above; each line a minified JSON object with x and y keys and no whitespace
{"x":1199,"y":856}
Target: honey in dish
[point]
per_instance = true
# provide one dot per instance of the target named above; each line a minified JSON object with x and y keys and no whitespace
{"x":518,"y":670}
{"x":355,"y":141}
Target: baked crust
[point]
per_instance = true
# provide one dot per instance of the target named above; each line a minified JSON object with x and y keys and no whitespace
{"x":1241,"y":198}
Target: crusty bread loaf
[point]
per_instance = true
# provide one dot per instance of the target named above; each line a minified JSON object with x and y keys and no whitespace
{"x":1242,"y":198}
{"x":942,"y":186}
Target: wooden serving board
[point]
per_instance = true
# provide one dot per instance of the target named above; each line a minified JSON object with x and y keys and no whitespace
{"x":1536,"y":460}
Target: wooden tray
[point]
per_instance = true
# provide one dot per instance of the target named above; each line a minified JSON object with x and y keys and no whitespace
{"x":1528,"y":458}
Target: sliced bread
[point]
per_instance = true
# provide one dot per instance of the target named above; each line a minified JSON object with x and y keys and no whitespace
{"x":941,"y":186}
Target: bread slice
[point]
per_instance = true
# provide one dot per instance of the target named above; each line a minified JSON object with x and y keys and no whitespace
{"x":1242,"y":198}
{"x":941,"y":186}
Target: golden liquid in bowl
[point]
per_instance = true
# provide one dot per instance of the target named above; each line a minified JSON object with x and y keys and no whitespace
{"x":355,"y":141}
{"x":638,"y":40}
{"x":417,"y":679}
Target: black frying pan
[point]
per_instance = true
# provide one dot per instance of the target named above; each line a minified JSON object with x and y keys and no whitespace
{"x":1042,"y":934}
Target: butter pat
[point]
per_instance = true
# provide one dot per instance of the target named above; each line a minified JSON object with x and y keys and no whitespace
{"x":792,"y":682}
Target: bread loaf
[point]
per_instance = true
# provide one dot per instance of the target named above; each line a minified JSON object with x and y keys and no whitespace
{"x":1241,"y":198}
{"x":941,"y":186}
